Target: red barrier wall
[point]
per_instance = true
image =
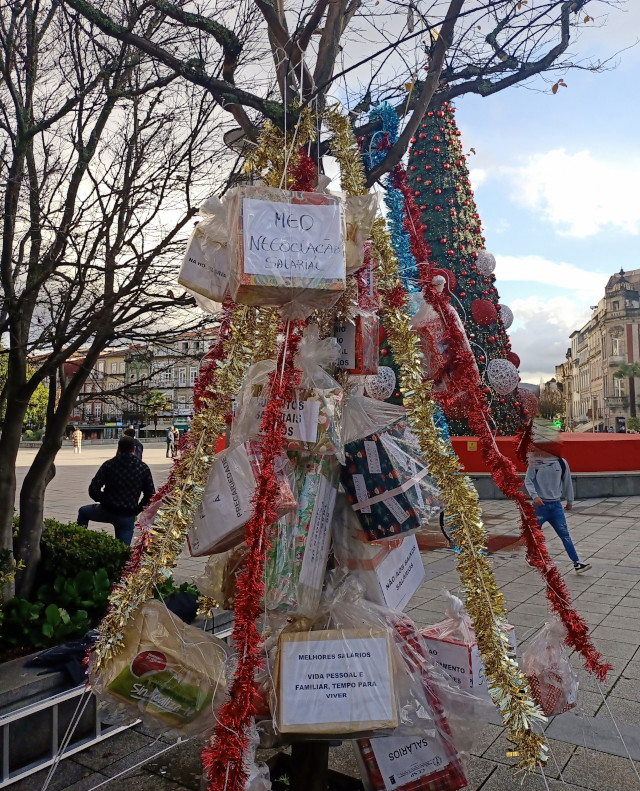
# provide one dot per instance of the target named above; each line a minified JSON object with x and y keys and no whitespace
{"x":583,"y":452}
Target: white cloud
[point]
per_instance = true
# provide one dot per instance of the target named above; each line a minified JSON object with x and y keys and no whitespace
{"x":477,"y":176}
{"x":588,"y":287}
{"x":540,"y":333}
{"x":577,"y":193}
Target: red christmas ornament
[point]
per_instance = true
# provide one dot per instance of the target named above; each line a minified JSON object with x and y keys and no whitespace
{"x":447,"y":166}
{"x":436,"y":137}
{"x":438,"y":208}
{"x":450,"y":252}
{"x":463,"y":293}
{"x":413,"y":167}
{"x":513,"y":358}
{"x":491,"y":338}
{"x":422,"y":135}
{"x":436,"y":150}
{"x":483,"y":312}
{"x":440,"y":114}
{"x":384,"y":352}
{"x":438,"y":191}
{"x":427,"y":167}
{"x":443,"y":241}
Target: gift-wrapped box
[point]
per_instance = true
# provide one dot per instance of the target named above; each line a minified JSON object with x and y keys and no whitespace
{"x":337,"y":681}
{"x":551,"y":691}
{"x":226,"y":505}
{"x":286,"y":248}
{"x":300,"y":541}
{"x":359,"y":344}
{"x":460,"y":657}
{"x":388,"y":483}
{"x":169,"y":674}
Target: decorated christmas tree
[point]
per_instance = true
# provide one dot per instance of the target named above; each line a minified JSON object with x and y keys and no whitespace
{"x":439,"y":177}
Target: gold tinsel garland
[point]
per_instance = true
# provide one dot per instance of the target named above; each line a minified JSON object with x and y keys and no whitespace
{"x":484,"y":601}
{"x":167,"y":534}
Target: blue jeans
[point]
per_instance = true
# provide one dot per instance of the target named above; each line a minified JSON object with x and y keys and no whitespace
{"x":123,"y":525}
{"x":553,"y":513}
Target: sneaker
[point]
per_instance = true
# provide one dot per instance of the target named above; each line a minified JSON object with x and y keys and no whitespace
{"x":580,"y":568}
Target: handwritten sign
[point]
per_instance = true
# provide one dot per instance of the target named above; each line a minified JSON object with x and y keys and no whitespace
{"x":400,"y":574}
{"x":335,"y":681}
{"x":292,"y":240}
{"x":300,"y":418}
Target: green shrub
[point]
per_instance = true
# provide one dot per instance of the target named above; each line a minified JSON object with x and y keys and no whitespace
{"x":633,"y":423}
{"x":69,"y":547}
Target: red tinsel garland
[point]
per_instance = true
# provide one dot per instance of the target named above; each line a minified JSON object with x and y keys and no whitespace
{"x":464,"y":379}
{"x":223,"y":755}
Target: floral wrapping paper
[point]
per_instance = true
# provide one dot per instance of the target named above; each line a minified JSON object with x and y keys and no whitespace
{"x":292,"y":583}
{"x":376,"y":466}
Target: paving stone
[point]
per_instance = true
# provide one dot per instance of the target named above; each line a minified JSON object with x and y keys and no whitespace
{"x":561,"y":750}
{"x":66,"y":774}
{"x":624,"y":711}
{"x":505,"y":779}
{"x":485,"y":737}
{"x":617,"y":634}
{"x":111,"y":750}
{"x":477,"y":772}
{"x":182,"y":764}
{"x":600,"y":772}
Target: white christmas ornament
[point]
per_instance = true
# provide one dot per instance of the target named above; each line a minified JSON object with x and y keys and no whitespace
{"x":381,"y":385}
{"x":485,"y":262}
{"x":502,"y":375}
{"x":506,"y":314}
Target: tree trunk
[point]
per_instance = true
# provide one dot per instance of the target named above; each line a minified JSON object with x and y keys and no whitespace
{"x":9,"y":447}
{"x":632,"y":397}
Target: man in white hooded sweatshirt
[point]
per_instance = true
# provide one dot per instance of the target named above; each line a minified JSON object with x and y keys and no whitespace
{"x":548,"y":481}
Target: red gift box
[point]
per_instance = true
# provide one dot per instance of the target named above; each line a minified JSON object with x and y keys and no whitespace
{"x":359,"y":344}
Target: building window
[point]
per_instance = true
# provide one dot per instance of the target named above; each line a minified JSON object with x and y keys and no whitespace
{"x":182,"y":404}
{"x":88,"y":409}
{"x":98,"y":410}
{"x":114,"y":368}
{"x":184,"y":346}
{"x":122,"y":368}
{"x":182,"y":377}
{"x":618,"y":387}
{"x":166,"y":375}
{"x":196,"y":346}
{"x":616,"y":306}
{"x":193,"y":372}
{"x":101,"y":367}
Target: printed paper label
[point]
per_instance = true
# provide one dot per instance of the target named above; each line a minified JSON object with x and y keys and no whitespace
{"x":396,"y":509}
{"x":345,"y":334}
{"x":291,"y":240}
{"x":373,"y":459}
{"x":400,"y":574}
{"x":335,"y":681}
{"x":319,"y":535}
{"x":300,"y":418}
{"x":403,"y":759}
{"x":361,"y":492}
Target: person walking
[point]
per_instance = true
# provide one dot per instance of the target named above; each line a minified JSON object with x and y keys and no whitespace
{"x":77,"y":441}
{"x":548,"y":480}
{"x":176,"y":441}
{"x":131,"y":432}
{"x":117,"y":487}
{"x":171,"y":442}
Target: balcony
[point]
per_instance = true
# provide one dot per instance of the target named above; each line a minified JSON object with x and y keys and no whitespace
{"x":617,"y":401}
{"x":616,"y":359}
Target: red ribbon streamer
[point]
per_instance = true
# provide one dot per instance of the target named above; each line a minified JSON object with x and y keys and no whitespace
{"x":464,"y":380}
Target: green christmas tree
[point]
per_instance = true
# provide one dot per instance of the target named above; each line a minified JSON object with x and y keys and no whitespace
{"x":439,"y":177}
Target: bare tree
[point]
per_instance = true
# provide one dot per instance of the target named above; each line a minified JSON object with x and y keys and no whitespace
{"x":104,"y":160}
{"x":360,"y":51}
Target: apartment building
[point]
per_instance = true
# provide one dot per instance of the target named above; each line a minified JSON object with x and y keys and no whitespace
{"x":596,"y":400}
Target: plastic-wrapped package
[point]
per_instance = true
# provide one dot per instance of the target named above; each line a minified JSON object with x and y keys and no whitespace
{"x":545,"y":662}
{"x":300,"y":541}
{"x":452,"y":645}
{"x":226,"y":505}
{"x":312,"y":418}
{"x":219,"y":579}
{"x":359,"y":344}
{"x":360,"y":213}
{"x":205,"y":266}
{"x":257,"y":774}
{"x":386,"y":480}
{"x":390,"y":571}
{"x":171,"y":675}
{"x":286,"y":249}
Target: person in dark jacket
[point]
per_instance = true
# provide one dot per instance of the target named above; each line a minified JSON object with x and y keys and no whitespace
{"x":131,"y":432}
{"x":117,"y":487}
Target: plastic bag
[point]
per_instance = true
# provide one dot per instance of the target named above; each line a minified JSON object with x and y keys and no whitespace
{"x":170,"y":675}
{"x":360,"y":213}
{"x":545,"y":662}
{"x":452,"y":645}
{"x":312,"y":418}
{"x":384,"y":475}
{"x":227,"y":504}
{"x":219,"y":579}
{"x":286,"y":249}
{"x":359,"y":344}
{"x":205,"y":267}
{"x":257,"y":774}
{"x":300,"y":542}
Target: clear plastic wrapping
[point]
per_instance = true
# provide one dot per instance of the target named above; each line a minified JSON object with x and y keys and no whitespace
{"x":452,"y":645}
{"x":227,"y":505}
{"x":219,"y":579}
{"x":300,"y":541}
{"x":286,"y":249}
{"x":360,"y":213}
{"x":313,"y":416}
{"x":205,"y":266}
{"x":385,"y":478}
{"x":545,"y":662}
{"x":170,"y":675}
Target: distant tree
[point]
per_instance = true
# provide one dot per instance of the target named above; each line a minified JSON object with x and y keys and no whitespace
{"x":156,"y":401}
{"x":629,"y":371}
{"x":550,"y":404}
{"x":103,"y":162}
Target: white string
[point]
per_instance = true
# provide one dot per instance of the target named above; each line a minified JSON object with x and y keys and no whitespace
{"x":71,"y":728}
{"x":615,"y":725}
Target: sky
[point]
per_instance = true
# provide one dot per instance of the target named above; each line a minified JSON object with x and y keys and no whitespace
{"x":556,"y":185}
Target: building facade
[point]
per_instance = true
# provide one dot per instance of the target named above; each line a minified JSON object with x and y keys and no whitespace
{"x":595,"y":399}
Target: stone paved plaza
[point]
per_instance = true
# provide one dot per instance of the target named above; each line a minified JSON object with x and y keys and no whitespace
{"x":587,"y":746}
